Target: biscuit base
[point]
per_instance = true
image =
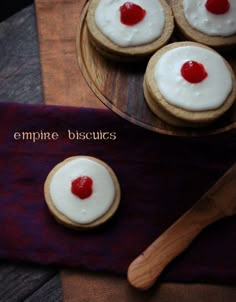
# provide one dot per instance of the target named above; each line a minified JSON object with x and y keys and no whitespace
{"x":63,"y":219}
{"x":193,"y":34}
{"x":163,"y":114}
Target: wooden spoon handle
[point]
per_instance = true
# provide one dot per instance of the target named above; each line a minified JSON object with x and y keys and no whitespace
{"x":145,"y":269}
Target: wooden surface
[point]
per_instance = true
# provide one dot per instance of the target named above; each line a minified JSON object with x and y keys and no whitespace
{"x":63,"y":82}
{"x":119,"y":87}
{"x":100,"y":288}
{"x":20,"y":78}
{"x":20,"y":81}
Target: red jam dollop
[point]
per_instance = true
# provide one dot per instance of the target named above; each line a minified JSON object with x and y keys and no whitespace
{"x":193,"y":72}
{"x":82,"y":187}
{"x":217,"y":7}
{"x":131,"y":14}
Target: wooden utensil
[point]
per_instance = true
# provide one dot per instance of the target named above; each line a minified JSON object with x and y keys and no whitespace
{"x":217,"y":203}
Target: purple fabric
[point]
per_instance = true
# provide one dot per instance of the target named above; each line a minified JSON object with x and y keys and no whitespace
{"x":160,"y":177}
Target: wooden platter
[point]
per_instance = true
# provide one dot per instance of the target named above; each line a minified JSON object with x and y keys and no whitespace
{"x":119,"y":87}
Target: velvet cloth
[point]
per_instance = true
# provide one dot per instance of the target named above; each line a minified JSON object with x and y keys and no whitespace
{"x":160,"y":178}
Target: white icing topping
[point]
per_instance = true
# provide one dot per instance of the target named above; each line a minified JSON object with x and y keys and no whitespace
{"x":107,"y":18}
{"x":201,"y":19}
{"x":211,"y":93}
{"x":82,"y":210}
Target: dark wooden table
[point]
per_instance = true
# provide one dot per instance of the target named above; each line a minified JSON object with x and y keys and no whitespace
{"x":20,"y":81}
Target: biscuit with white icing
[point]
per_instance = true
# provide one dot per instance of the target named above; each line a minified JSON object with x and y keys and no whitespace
{"x":76,"y":203}
{"x":119,"y":41}
{"x":180,"y":102}
{"x":197,"y":23}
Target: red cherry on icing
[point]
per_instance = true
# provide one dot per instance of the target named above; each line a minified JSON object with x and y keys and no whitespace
{"x":217,"y":7}
{"x":131,"y":14}
{"x":193,"y":72}
{"x":82,"y":187}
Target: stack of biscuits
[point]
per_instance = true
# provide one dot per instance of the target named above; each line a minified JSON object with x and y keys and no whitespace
{"x":129,"y":31}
